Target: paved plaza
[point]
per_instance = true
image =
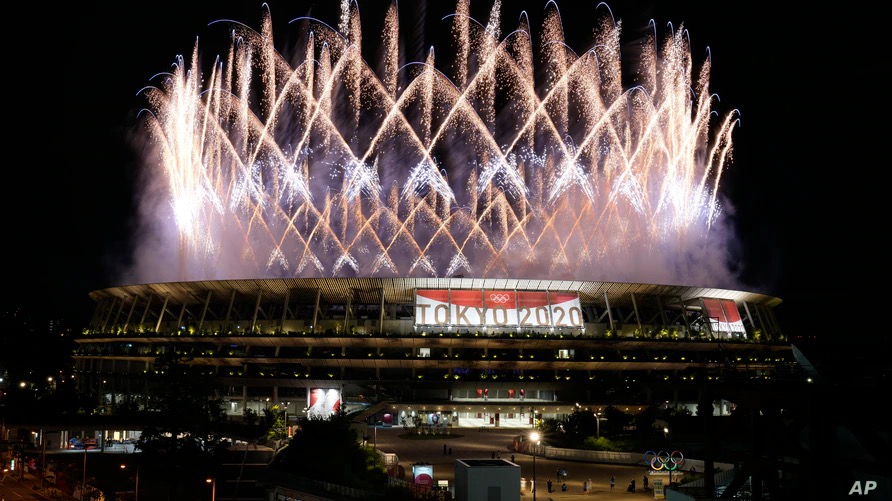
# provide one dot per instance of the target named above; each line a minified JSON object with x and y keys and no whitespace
{"x":475,"y":444}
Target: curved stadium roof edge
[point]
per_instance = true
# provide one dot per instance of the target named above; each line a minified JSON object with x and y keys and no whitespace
{"x":401,"y":290}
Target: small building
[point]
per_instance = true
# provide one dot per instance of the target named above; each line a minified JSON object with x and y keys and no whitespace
{"x":486,"y":480}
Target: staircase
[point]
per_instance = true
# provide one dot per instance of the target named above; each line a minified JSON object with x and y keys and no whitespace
{"x":362,"y":415}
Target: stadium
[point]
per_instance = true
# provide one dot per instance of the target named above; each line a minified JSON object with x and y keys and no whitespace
{"x":457,"y":224}
{"x":457,"y":352}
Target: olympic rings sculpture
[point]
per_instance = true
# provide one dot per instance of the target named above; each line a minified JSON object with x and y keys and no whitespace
{"x":669,"y":461}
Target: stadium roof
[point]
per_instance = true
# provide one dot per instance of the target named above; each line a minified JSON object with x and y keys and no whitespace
{"x":401,"y":290}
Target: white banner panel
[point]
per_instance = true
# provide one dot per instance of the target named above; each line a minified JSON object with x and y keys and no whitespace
{"x":565,"y":309}
{"x":497,"y":308}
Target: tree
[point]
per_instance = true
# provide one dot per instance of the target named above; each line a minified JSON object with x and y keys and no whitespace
{"x":329,"y":450}
{"x":645,"y":419}
{"x":580,"y":425}
{"x":278,"y":430}
{"x":249,"y":416}
{"x":616,"y":420}
{"x":184,"y":438}
{"x":704,"y":406}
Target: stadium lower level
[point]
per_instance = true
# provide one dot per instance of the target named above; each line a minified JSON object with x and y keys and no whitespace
{"x":458,"y":352}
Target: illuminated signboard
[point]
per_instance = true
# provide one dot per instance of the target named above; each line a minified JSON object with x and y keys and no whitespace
{"x":323,"y":403}
{"x":723,"y":316}
{"x":423,"y":474}
{"x":659,"y":492}
{"x":497,"y":308}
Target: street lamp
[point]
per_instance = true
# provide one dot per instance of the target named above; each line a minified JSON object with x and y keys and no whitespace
{"x":669,"y":438}
{"x":84,"y":485}
{"x":136,"y":487}
{"x":286,"y":417}
{"x":213,"y":482}
{"x":42,"y":457}
{"x":534,"y":437}
{"x":597,"y":426}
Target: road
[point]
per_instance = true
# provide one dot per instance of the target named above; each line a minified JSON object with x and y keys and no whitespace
{"x":16,"y":488}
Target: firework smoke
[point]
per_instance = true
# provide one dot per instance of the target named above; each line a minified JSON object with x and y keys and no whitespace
{"x":262,"y":167}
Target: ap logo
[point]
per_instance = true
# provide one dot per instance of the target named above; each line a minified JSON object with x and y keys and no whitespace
{"x":869,"y":485}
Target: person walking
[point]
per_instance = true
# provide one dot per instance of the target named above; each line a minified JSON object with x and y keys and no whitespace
{"x":549,"y":485}
{"x":590,"y":486}
{"x":585,"y":488}
{"x":612,"y":482}
{"x":644,"y":483}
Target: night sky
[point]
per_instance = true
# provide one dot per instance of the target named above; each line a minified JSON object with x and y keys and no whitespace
{"x":806,"y":153}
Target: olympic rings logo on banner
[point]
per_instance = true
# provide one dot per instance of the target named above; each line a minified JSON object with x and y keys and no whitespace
{"x":499,"y":298}
{"x":664,"y":460}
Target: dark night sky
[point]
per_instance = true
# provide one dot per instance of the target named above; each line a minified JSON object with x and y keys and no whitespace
{"x":805,"y":155}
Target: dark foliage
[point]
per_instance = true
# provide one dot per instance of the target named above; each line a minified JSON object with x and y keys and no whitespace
{"x":185,"y":439}
{"x":328,"y":450}
{"x":580,"y":425}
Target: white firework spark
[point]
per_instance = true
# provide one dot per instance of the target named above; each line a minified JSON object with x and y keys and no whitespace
{"x":576,"y":176}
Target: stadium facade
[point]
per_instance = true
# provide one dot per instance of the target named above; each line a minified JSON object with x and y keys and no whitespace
{"x":459,"y":351}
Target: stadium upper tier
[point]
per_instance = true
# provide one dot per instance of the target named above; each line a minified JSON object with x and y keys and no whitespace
{"x":400,"y":305}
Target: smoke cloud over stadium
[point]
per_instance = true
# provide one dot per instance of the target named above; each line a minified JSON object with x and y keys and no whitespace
{"x":519,"y":158}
